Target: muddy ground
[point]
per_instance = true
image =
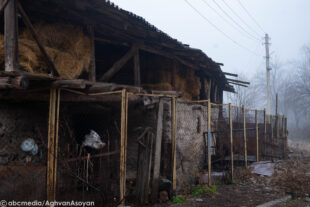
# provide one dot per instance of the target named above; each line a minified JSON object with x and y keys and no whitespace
{"x":291,"y":177}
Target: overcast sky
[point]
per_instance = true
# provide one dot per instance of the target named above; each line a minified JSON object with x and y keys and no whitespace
{"x":286,"y":21}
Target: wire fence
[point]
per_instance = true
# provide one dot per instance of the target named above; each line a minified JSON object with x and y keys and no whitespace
{"x":112,"y":147}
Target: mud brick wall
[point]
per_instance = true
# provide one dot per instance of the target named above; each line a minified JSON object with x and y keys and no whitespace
{"x":192,"y":124}
{"x":19,"y":121}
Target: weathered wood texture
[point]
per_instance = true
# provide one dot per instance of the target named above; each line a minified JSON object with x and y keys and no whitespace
{"x":119,"y":27}
{"x":157,"y":154}
{"x":231,"y":142}
{"x":174,"y":142}
{"x":3,"y":4}
{"x":144,"y":167}
{"x":137,"y":73}
{"x":245,"y":139}
{"x":52,"y":150}
{"x":11,"y":36}
{"x":124,"y":120}
{"x":119,"y":64}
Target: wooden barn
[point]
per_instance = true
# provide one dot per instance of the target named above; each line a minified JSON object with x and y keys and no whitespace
{"x":74,"y":69}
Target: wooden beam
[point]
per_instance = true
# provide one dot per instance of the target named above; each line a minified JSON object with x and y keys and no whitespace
{"x":245,"y":139}
{"x":231,"y":142}
{"x":257,"y":138}
{"x":52,"y":150}
{"x":173,"y":141}
{"x":18,"y":82}
{"x":119,"y":64}
{"x":209,"y":142}
{"x":47,"y":58}
{"x":11,"y":36}
{"x":230,"y":74}
{"x":92,"y":67}
{"x":137,"y":74}
{"x":77,"y":83}
{"x":3,"y":4}
{"x":238,"y":81}
{"x":238,"y":84}
{"x":124,"y":119}
{"x":157,"y":155}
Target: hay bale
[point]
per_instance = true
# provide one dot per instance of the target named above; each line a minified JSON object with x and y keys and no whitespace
{"x":186,"y":82}
{"x":68,"y":47}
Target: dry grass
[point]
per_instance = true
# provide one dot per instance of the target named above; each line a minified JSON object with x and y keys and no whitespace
{"x":185,"y":82}
{"x":68,"y":47}
{"x":293,"y":176}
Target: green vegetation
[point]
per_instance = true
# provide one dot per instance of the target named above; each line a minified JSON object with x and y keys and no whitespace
{"x":179,"y":199}
{"x":204,"y":189}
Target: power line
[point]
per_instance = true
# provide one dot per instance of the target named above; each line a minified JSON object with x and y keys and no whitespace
{"x":249,"y":14}
{"x":218,"y":29}
{"x":244,"y":22}
{"x":233,"y":26}
{"x":232,"y":19}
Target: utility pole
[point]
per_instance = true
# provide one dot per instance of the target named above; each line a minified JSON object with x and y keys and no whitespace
{"x":268,"y":69}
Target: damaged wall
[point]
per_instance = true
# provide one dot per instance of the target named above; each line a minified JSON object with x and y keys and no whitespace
{"x":191,"y":139}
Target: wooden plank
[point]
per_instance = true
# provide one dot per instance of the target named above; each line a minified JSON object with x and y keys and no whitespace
{"x":238,"y":81}
{"x":11,"y":36}
{"x":124,"y":119}
{"x":19,"y":82}
{"x":157,"y":155}
{"x":119,"y":64}
{"x":3,"y":4}
{"x":209,"y":142}
{"x":116,"y":152}
{"x":230,"y":74}
{"x":47,"y":58}
{"x":257,"y":138}
{"x":92,"y":67}
{"x":265,"y":132}
{"x":245,"y":139}
{"x":231,"y":142}
{"x":137,"y":74}
{"x":52,"y":150}
{"x":77,"y":83}
{"x":173,"y":141}
{"x":144,"y":168}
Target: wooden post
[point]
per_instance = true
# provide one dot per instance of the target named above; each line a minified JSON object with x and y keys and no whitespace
{"x":257,"y":139}
{"x":137,"y":74}
{"x":124,"y":119}
{"x":265,"y":132}
{"x":278,"y":130}
{"x":92,"y":67}
{"x":173,"y":140}
{"x":157,"y":156}
{"x":231,"y":142}
{"x":245,"y":139}
{"x":11,"y":36}
{"x":282,"y":137}
{"x":209,"y":142}
{"x":272,"y":133}
{"x":3,"y":4}
{"x":52,"y":150}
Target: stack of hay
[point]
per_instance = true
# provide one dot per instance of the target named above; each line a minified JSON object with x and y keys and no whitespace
{"x":68,"y":47}
{"x":186,"y":82}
